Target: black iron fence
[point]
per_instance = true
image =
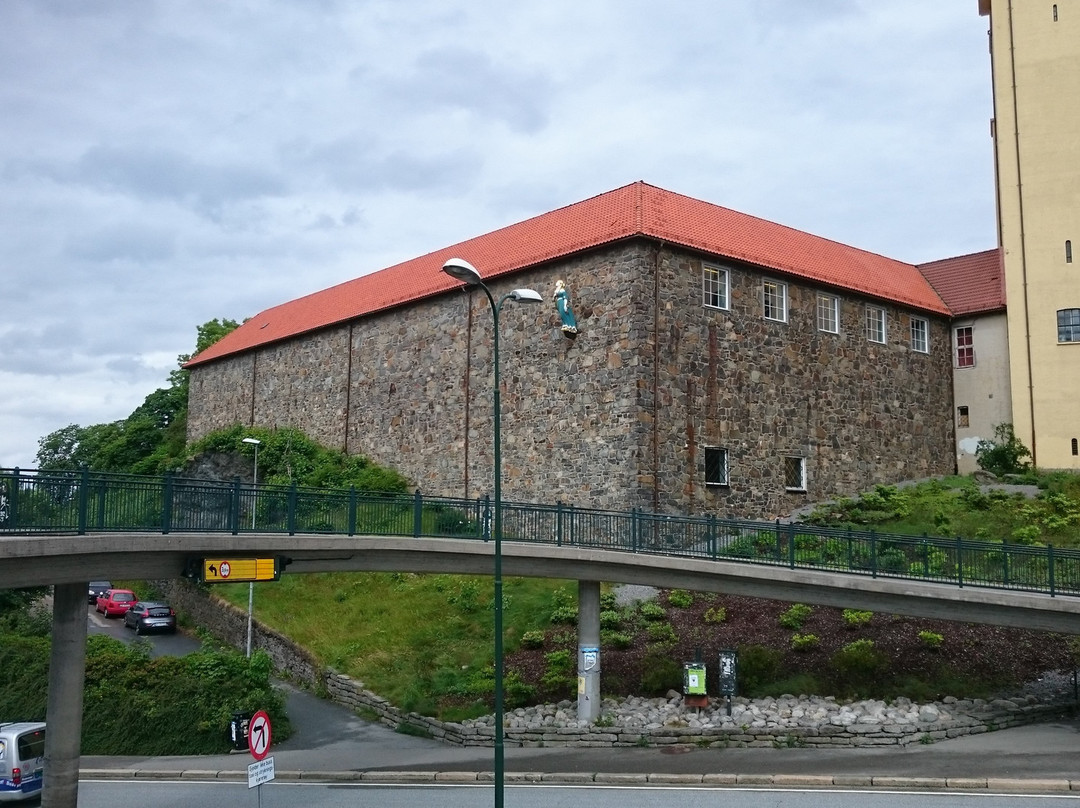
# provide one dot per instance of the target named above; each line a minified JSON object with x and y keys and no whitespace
{"x":81,"y":502}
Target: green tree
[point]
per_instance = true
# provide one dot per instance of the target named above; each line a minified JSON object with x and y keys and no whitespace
{"x":1005,"y":454}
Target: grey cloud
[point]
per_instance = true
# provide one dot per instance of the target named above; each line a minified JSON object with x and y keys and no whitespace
{"x":470,"y":80}
{"x":122,"y":242}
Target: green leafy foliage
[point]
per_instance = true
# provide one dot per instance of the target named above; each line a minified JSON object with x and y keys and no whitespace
{"x":661,"y":672}
{"x":759,"y":666}
{"x":715,"y":614}
{"x":804,"y":642}
{"x":532,"y":639}
{"x":857,"y":665}
{"x":795,"y":616}
{"x":931,"y":639}
{"x":1005,"y":454}
{"x":680,"y":598}
{"x":651,"y":610}
{"x":854,"y":618}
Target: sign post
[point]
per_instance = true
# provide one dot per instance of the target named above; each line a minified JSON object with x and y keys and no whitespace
{"x":262,"y":770}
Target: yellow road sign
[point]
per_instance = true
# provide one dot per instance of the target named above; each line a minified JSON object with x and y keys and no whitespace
{"x":242,"y":570}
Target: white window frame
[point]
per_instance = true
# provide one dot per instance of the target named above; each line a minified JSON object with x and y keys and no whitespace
{"x":827,"y":312}
{"x":968,"y":349}
{"x":725,"y":470}
{"x":778,"y":291}
{"x":715,"y":287}
{"x":877,"y":325}
{"x":802,"y":472}
{"x":920,"y":335}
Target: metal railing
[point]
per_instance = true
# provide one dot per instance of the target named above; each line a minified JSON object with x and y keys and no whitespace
{"x":82,"y":502}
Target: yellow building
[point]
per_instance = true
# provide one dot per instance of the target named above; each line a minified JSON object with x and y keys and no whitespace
{"x":1035,"y":57}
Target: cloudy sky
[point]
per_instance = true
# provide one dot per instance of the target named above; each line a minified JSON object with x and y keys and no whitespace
{"x":166,"y":162}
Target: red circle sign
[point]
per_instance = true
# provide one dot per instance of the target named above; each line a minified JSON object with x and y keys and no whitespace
{"x":224,"y":569}
{"x":259,"y":735}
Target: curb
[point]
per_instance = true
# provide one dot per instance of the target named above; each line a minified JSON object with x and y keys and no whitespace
{"x":1010,"y":785}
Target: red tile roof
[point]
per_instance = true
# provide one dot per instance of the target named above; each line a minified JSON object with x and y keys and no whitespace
{"x":969,"y":284}
{"x":637,"y":209}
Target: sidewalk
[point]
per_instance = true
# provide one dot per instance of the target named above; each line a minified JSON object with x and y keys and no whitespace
{"x":330,"y":743}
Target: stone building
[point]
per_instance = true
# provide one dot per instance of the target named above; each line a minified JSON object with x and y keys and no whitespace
{"x":724,"y":364}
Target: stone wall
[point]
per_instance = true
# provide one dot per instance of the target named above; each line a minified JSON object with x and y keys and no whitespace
{"x":619,"y":417}
{"x":786,"y":721}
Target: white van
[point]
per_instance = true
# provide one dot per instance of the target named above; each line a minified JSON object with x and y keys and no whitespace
{"x":22,"y":760}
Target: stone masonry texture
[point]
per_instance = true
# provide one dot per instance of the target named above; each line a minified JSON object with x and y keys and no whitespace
{"x":619,"y":417}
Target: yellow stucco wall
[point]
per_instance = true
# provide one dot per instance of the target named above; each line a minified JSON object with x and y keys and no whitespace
{"x":1035,"y":47}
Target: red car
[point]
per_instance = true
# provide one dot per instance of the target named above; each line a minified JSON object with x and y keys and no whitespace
{"x":116,"y":602}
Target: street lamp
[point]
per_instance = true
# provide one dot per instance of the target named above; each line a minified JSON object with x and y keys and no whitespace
{"x":254,"y":501}
{"x":466,"y":272}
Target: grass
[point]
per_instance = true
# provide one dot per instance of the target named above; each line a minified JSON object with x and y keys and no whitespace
{"x":422,"y":641}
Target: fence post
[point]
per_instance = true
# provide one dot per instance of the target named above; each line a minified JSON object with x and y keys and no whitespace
{"x":873,"y":554}
{"x":1005,"y":559}
{"x":710,"y":537}
{"x":925,"y":556}
{"x":166,"y":503}
{"x":13,"y":515}
{"x":234,"y":507}
{"x":634,"y":529}
{"x":84,"y":502}
{"x":779,"y":542}
{"x":959,"y":563}
{"x":1050,"y":566}
{"x":791,"y":544}
{"x":558,"y":523}
{"x":352,"y":511}
{"x":850,"y":550}
{"x":99,"y":495}
{"x":417,"y":514}
{"x":487,"y":518}
{"x":291,"y":523}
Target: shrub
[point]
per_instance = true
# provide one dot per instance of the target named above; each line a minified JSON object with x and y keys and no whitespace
{"x":758,"y":667}
{"x":854,"y":618}
{"x":794,"y":617}
{"x":651,"y":610}
{"x":857,"y":665}
{"x":532,"y":639}
{"x":558,"y":675}
{"x":804,"y":642}
{"x":680,"y":598}
{"x":662,"y":633}
{"x":931,"y":639}
{"x":616,"y":639}
{"x":661,"y":672}
{"x":610,"y":619}
{"x":715,"y":614}
{"x":564,"y":614}
{"x":608,"y":601}
{"x":1005,"y":454}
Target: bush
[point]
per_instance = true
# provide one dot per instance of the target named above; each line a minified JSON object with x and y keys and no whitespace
{"x":855,"y":618}
{"x":558,"y":676}
{"x":1005,"y":454}
{"x":794,"y":617}
{"x":680,"y":598}
{"x":857,"y":665}
{"x":931,"y":639}
{"x":715,"y":614}
{"x":532,"y":639}
{"x":616,"y":639}
{"x":661,"y":633}
{"x":564,"y":614}
{"x":758,"y":667}
{"x":651,"y":610}
{"x":610,"y":619}
{"x":661,"y":672}
{"x":804,"y":642}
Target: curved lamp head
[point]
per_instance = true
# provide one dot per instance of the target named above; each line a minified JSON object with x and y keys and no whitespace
{"x":255,"y":441}
{"x":462,"y":270}
{"x":526,"y":296}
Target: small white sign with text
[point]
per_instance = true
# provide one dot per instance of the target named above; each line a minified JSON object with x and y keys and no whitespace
{"x":261,"y":771}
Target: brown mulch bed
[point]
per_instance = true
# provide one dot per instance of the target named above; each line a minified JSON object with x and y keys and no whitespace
{"x":982,"y":658}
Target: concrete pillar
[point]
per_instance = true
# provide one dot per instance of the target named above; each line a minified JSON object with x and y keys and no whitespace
{"x":67,"y":667}
{"x":588,"y":664}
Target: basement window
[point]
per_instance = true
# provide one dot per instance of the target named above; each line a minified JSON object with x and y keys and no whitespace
{"x":795,"y":473}
{"x":716,"y":466}
{"x":962,"y":419}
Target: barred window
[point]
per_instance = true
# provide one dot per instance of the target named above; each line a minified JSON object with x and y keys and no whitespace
{"x":714,"y":287}
{"x":775,"y":298}
{"x":875,"y":324}
{"x":795,"y":473}
{"x":716,"y":466}
{"x":828,"y":313}
{"x":920,"y":335}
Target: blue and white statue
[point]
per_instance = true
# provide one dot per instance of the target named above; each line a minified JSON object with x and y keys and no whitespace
{"x":562,"y":303}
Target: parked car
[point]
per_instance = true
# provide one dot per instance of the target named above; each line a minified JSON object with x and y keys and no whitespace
{"x":97,"y":589}
{"x":147,"y":616}
{"x":116,"y":602}
{"x":22,"y":760}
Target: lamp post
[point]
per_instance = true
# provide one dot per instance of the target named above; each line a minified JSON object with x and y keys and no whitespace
{"x":254,"y":501}
{"x":466,"y":272}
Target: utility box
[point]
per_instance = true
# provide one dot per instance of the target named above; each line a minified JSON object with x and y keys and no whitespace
{"x":694,"y":679}
{"x":238,"y":730}
{"x":729,"y":672}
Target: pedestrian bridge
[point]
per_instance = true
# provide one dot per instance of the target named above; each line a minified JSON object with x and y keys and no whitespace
{"x":70,"y":527}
